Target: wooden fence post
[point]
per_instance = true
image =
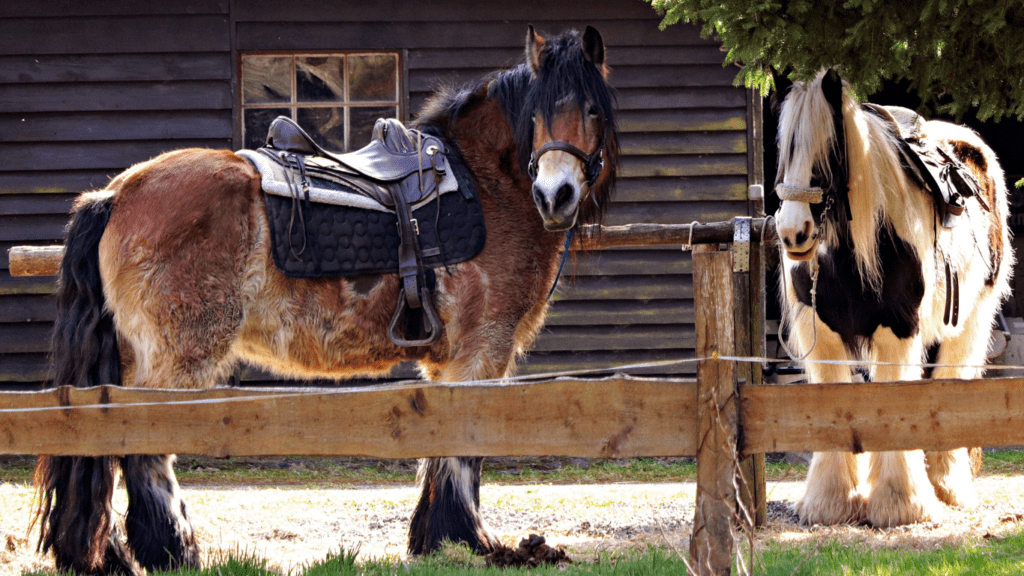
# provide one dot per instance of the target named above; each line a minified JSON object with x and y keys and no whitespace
{"x":748,"y":294}
{"x":711,"y":545}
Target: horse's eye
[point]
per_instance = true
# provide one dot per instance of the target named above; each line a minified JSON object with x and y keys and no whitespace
{"x":591,"y":111}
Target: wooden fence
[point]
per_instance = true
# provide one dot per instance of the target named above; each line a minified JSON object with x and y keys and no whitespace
{"x":723,"y":418}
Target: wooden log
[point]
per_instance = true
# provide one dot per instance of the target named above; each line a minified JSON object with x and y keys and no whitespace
{"x":45,"y":260}
{"x":711,"y":544}
{"x":35,"y":260}
{"x":617,"y":417}
{"x":597,"y":237}
{"x":878,"y":416}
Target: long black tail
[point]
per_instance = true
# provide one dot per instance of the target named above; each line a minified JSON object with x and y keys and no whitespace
{"x":74,"y":493}
{"x":84,"y":342}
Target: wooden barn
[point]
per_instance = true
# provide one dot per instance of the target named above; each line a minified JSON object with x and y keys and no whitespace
{"x":89,"y":88}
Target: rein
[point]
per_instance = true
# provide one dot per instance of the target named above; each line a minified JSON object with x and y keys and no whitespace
{"x":811,"y":195}
{"x":593,"y":165}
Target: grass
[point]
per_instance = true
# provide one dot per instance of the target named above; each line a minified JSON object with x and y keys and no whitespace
{"x":994,"y":557}
{"x":1002,"y":556}
{"x":324,"y":472}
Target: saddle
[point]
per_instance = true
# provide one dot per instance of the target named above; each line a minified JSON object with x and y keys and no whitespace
{"x":930,"y":164}
{"x":399,"y":171}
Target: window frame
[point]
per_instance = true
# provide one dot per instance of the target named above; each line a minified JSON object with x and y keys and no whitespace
{"x":400,"y":102}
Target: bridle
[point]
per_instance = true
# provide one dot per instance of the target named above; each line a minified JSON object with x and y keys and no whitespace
{"x":593,"y":164}
{"x":808,"y":194}
{"x":811,"y":195}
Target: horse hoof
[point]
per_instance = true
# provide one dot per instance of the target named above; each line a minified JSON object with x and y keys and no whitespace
{"x":957,"y":495}
{"x":888,"y":509}
{"x":831,"y":511}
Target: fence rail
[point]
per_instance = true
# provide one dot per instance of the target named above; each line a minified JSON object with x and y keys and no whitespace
{"x":616,"y":417}
{"x":718,"y":418}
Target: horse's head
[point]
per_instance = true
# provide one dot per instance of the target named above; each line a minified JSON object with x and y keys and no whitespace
{"x":812,"y":177}
{"x":567,"y":128}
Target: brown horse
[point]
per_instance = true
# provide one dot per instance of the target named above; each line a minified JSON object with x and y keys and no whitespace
{"x":168,"y":281}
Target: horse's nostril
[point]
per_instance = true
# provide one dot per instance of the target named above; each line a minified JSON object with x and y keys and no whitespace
{"x":564,"y":195}
{"x":801,"y":237}
{"x":787,"y":242}
{"x":538,"y":197}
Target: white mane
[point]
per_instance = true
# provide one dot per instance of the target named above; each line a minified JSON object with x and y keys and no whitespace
{"x":877,"y":182}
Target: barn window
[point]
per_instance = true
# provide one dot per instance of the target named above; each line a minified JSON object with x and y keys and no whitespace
{"x":335,"y":97}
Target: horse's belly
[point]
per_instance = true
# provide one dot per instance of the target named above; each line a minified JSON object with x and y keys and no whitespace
{"x":323,"y":328}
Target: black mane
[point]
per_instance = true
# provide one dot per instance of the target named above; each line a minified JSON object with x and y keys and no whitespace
{"x":565,"y":73}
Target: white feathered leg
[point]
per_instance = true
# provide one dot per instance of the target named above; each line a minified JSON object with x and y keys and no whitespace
{"x":900,"y":490}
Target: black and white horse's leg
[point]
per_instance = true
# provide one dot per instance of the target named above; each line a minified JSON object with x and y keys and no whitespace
{"x":157,"y":524}
{"x":950,"y":471}
{"x":449,"y":506}
{"x":76,"y":508}
{"x":834,"y":479}
{"x":900,"y":490}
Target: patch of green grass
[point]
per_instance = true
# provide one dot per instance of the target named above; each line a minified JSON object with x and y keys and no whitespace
{"x":336,"y":564}
{"x":453,"y":560}
{"x":17,"y":469}
{"x":1003,"y":462}
{"x":994,"y":557}
{"x":324,"y":472}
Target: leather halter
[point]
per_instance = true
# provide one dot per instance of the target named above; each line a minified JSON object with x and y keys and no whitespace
{"x":593,"y":164}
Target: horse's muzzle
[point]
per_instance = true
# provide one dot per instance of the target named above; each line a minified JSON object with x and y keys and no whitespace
{"x":560,"y":225}
{"x":803,"y":255}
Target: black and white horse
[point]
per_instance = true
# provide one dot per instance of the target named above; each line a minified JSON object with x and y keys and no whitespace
{"x":871,"y":274}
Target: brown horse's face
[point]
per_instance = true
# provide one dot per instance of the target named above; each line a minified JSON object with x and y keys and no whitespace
{"x":568,"y":147}
{"x":566,"y":161}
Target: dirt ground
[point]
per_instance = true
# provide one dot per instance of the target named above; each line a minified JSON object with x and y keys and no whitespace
{"x":294,"y":526}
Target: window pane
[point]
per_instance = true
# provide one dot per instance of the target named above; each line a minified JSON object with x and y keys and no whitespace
{"x":373,"y":77}
{"x":362,"y":119}
{"x":257,"y":122}
{"x":325,"y":125}
{"x":266,"y":79}
{"x":320,"y":78}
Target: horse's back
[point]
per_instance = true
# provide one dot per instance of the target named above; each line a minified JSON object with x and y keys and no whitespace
{"x":191,"y":191}
{"x":173,"y":258}
{"x":970,"y":149}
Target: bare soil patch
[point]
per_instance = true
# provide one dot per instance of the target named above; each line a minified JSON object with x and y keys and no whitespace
{"x":292,"y":526}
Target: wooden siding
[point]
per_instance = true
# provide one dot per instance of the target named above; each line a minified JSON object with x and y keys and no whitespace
{"x":91,"y":88}
{"x":684,"y":141}
{"x":88,"y":89}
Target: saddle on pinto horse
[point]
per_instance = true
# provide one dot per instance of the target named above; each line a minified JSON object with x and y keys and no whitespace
{"x":936,"y":169}
{"x":930,"y":164}
{"x":323,"y":206}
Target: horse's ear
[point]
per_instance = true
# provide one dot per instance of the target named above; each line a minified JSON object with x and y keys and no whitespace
{"x":832,"y":87}
{"x":534,"y":45}
{"x":593,"y":46}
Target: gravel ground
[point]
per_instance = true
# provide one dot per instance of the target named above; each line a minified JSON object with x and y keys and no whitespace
{"x":294,"y":526}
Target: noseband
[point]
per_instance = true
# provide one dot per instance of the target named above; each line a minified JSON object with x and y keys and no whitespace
{"x":808,"y":194}
{"x":812,"y":195}
{"x":593,"y":164}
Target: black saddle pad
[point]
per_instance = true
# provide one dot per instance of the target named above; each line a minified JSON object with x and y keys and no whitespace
{"x":344,"y":241}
